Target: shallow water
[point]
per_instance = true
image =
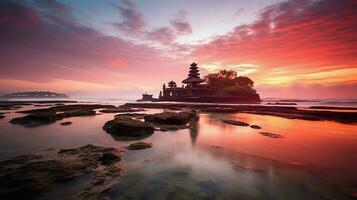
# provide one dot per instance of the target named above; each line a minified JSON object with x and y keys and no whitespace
{"x":211,"y":160}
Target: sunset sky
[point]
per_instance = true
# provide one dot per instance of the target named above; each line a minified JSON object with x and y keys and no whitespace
{"x":122,"y":48}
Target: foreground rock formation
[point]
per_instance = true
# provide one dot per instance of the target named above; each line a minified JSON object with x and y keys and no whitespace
{"x":235,"y":122}
{"x":50,"y":115}
{"x":30,"y":176}
{"x":139,"y":146}
{"x":255,"y":126}
{"x":172,"y":121}
{"x":66,"y":123}
{"x":128,"y":128}
{"x":171,"y":118}
{"x":271,"y":135}
{"x":120,"y":110}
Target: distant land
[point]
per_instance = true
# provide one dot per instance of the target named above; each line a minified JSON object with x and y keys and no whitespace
{"x":35,"y":94}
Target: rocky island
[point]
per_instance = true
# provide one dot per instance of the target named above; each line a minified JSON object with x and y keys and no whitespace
{"x":36,"y":94}
{"x":221,"y":87}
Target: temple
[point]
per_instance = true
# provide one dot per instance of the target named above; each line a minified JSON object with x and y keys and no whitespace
{"x":194,"y":90}
{"x":191,"y":87}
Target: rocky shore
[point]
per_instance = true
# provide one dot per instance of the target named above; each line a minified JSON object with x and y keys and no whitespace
{"x":37,"y":117}
{"x":30,"y":176}
{"x":279,"y":111}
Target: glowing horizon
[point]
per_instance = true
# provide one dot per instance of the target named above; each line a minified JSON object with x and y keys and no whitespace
{"x":291,"y":49}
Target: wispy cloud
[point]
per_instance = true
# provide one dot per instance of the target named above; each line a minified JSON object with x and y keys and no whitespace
{"x":133,"y":20}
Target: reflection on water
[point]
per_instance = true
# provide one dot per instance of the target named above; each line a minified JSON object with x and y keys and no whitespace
{"x":214,"y":160}
{"x":194,"y":128}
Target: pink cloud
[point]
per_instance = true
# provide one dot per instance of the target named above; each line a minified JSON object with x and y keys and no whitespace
{"x":133,"y":20}
{"x":163,"y":35}
{"x":63,"y":49}
{"x":293,"y":39}
{"x":180,"y":23}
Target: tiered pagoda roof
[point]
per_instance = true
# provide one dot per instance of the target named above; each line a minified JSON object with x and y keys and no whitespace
{"x":193,"y":75}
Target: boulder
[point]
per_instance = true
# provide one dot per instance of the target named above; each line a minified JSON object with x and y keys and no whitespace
{"x":131,"y":115}
{"x":65,"y":108}
{"x":171,"y":118}
{"x":139,"y":146}
{"x":49,"y":117}
{"x":121,"y":110}
{"x":165,"y":128}
{"x":108,"y":158}
{"x":42,"y":105}
{"x":255,"y":126}
{"x":271,"y":135}
{"x":66,"y":123}
{"x":125,"y":126}
{"x":78,"y":113}
{"x":235,"y":122}
{"x":36,"y":119}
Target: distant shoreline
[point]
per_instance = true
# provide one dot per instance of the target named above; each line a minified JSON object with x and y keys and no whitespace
{"x":34,"y":95}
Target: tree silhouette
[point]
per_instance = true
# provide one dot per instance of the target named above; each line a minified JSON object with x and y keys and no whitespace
{"x":227,"y":83}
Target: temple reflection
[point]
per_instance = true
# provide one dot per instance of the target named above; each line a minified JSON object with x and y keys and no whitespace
{"x":194,"y":129}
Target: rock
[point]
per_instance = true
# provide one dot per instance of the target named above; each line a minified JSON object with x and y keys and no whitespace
{"x":132,"y":115}
{"x":49,"y":117}
{"x":64,"y":108}
{"x":121,"y":110}
{"x":42,"y":105}
{"x":165,"y":128}
{"x":219,"y":110}
{"x":66,"y":123}
{"x":255,"y":126}
{"x":9,"y":107}
{"x":19,"y":160}
{"x":172,"y":118}
{"x":37,"y":119}
{"x":271,"y":135}
{"x":139,"y":146}
{"x":235,"y":122}
{"x":109,"y":158}
{"x":78,"y":113}
{"x":30,"y":176}
{"x":125,"y":126}
{"x":282,"y":104}
{"x":332,"y":108}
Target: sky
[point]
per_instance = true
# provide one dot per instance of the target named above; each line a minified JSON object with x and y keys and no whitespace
{"x":123,"y":48}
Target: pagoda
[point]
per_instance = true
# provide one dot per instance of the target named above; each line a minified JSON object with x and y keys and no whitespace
{"x":193,"y":80}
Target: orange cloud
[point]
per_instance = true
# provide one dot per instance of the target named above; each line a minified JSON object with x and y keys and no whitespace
{"x":294,"y":42}
{"x":118,"y":63}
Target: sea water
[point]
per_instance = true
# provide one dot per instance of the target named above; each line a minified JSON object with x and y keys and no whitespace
{"x":210,"y":160}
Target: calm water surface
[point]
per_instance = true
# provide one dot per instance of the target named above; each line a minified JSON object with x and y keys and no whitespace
{"x":211,"y":160}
